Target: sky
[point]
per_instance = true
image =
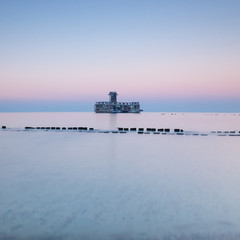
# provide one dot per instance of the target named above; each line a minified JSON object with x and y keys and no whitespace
{"x":172,"y":55}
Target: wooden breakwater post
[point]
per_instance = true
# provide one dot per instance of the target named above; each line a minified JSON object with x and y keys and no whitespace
{"x":151,"y":129}
{"x":163,"y":130}
{"x":123,"y":129}
{"x":177,"y":130}
{"x":29,"y":128}
{"x":140,"y":130}
{"x":83,"y":128}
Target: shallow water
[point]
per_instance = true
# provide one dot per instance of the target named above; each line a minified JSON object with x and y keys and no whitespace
{"x":186,"y":121}
{"x":76,"y":185}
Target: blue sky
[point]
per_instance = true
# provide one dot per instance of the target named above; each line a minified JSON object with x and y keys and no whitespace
{"x":169,"y":55}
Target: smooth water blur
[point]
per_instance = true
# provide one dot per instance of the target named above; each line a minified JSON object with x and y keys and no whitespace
{"x":75,"y":185}
{"x":186,"y":121}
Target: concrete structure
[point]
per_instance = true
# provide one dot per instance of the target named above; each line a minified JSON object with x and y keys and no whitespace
{"x":116,"y":107}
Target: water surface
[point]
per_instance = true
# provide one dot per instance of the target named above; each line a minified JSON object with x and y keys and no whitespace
{"x":75,"y":185}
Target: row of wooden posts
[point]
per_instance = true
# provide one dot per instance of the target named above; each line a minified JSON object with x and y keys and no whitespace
{"x":150,"y":129}
{"x":59,"y":128}
{"x":177,"y":131}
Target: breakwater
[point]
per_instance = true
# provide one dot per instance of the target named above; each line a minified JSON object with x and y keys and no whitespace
{"x":122,"y":130}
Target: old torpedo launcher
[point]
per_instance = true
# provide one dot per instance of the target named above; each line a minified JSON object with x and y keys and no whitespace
{"x":113,"y":106}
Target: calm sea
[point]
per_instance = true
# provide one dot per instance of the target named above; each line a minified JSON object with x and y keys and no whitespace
{"x":79,"y":185}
